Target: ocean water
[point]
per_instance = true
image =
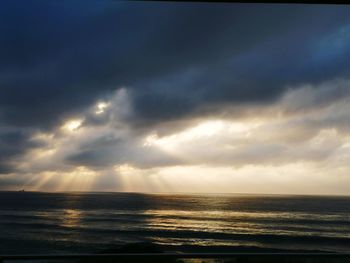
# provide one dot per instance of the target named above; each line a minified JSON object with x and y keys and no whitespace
{"x":54,"y":223}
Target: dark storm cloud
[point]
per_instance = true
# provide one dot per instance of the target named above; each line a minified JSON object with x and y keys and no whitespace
{"x":13,"y":143}
{"x":259,"y":75}
{"x":58,"y":57}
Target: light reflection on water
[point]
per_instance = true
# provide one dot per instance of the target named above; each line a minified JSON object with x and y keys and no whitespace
{"x":71,"y":218}
{"x":242,"y":223}
{"x":96,"y":221}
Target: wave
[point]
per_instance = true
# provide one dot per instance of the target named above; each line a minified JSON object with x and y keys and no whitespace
{"x":177,"y":220}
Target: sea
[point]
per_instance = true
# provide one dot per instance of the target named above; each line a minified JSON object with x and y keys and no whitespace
{"x":75,"y":222}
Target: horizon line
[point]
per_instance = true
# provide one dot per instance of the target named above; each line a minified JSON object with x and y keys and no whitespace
{"x":172,"y":193}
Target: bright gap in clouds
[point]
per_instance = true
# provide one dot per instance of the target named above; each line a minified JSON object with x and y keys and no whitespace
{"x":101,"y":107}
{"x":72,"y":125}
{"x":205,"y":130}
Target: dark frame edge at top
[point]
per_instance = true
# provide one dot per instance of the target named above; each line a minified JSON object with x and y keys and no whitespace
{"x":327,"y":2}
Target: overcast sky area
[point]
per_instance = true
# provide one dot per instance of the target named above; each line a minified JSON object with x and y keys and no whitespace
{"x":174,"y":97}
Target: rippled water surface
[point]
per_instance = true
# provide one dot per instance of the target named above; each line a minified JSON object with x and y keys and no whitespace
{"x":81,"y":223}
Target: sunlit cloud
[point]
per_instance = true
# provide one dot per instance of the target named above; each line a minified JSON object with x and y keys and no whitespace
{"x":275,"y":148}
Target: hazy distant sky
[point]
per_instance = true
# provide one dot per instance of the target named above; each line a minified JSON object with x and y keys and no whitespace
{"x":174,"y":97}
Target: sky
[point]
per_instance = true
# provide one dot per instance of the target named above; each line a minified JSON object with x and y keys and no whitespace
{"x":174,"y":97}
